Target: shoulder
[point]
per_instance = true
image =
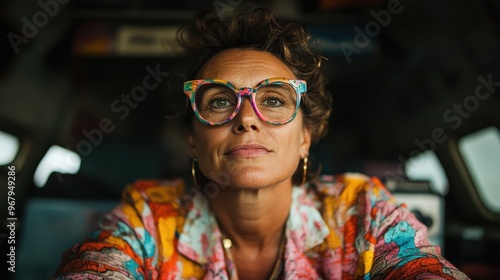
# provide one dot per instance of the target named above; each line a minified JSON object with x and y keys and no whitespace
{"x":354,"y":195}
{"x":153,"y":200}
{"x":349,"y":186}
{"x":157,"y":191}
{"x":155,"y":194}
{"x":127,"y":241}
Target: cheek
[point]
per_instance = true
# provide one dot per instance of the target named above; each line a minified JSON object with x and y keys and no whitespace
{"x":289,"y":141}
{"x":207,"y":140}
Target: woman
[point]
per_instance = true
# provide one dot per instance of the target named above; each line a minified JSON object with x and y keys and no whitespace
{"x":258,"y":102}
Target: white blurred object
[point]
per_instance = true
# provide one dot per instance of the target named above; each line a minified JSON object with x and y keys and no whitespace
{"x":481,"y":154}
{"x":57,"y":159}
{"x":427,"y":167}
{"x":9,"y":147}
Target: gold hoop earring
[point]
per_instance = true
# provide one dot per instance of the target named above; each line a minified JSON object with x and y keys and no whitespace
{"x":193,"y":171}
{"x":304,"y":170}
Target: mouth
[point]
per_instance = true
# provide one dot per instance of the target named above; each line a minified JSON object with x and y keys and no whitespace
{"x":247,"y":150}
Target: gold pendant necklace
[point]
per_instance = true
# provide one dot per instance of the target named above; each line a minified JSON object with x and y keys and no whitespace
{"x":227,"y":243}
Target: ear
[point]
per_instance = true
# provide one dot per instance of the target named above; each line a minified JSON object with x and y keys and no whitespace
{"x":189,"y":135}
{"x":306,"y":142}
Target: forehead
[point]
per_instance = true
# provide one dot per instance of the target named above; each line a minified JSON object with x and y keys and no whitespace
{"x":245,"y":68}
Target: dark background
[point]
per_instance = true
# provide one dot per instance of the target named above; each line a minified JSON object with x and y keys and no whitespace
{"x":389,"y":94}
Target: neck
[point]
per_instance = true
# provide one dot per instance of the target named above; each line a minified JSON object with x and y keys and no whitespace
{"x":253,"y":219}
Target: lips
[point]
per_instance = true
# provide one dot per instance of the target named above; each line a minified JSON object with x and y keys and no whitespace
{"x":247,"y":150}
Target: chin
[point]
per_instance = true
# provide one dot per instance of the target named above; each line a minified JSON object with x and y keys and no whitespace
{"x":253,"y":182}
{"x":248,"y":176}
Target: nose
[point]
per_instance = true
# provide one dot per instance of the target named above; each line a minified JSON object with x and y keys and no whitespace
{"x":246,"y":119}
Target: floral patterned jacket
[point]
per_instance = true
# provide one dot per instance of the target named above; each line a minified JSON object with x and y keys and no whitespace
{"x":339,"y":227}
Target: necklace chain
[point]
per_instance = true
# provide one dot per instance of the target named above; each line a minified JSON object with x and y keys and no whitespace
{"x":278,"y":265}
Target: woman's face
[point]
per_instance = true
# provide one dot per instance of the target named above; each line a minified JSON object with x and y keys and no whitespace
{"x":246,"y":152}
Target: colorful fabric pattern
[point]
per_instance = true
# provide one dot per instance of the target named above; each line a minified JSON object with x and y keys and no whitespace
{"x":342,"y":227}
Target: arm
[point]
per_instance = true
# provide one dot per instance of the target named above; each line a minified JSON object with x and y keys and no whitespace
{"x":135,"y":241}
{"x":114,"y":251}
{"x":402,"y":249}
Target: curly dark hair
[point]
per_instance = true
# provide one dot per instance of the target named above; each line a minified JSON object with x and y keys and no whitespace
{"x":258,"y":29}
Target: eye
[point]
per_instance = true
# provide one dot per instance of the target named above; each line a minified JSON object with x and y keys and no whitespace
{"x":219,"y":103}
{"x":273,"y":102}
{"x":276,"y":96}
{"x":215,"y":98}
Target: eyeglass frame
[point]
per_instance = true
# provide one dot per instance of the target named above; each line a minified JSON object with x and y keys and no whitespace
{"x":191,"y":87}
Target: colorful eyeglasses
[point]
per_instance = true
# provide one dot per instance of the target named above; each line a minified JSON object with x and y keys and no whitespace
{"x":276,"y":101}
